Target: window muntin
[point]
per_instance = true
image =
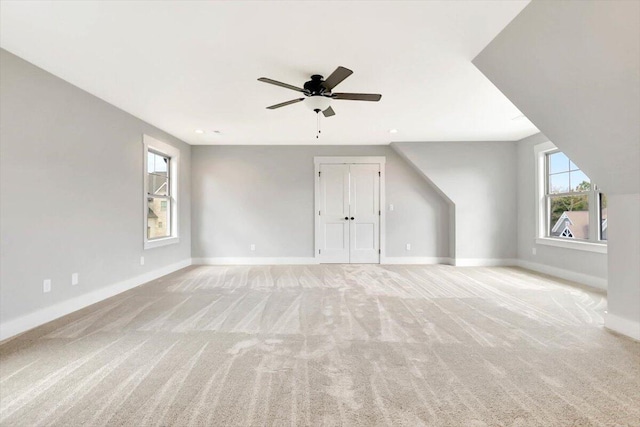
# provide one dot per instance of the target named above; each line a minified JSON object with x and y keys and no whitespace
{"x":573,"y":205}
{"x":564,"y":176}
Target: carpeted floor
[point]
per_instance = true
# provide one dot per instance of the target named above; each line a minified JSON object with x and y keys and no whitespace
{"x":328,"y":345}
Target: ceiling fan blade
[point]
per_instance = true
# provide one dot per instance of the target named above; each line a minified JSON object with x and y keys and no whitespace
{"x":277,"y":83}
{"x":336,"y":77}
{"x":284,"y":104}
{"x":358,"y":96}
{"x":329,"y":112}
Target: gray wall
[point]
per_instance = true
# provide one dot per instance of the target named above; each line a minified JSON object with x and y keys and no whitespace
{"x":264,"y":195}
{"x":573,"y":68}
{"x":479,"y":178}
{"x":590,"y":263}
{"x":71,"y":191}
{"x":624,"y":259}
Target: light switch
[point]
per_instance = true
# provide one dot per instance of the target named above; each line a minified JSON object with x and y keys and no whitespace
{"x":391,"y":207}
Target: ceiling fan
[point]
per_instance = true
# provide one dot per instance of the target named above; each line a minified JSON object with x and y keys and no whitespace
{"x":317,"y":92}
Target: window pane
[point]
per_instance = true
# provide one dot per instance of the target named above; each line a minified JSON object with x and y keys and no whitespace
{"x":150,"y":161}
{"x":569,"y":216}
{"x":573,"y":166}
{"x":580,"y":181}
{"x":158,"y":185}
{"x":559,"y":183}
{"x":158,"y":220}
{"x":603,"y":217}
{"x":558,"y":162}
{"x":159,"y":164}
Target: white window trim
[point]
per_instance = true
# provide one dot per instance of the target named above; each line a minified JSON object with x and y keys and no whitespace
{"x":150,"y":143}
{"x":540,"y":152}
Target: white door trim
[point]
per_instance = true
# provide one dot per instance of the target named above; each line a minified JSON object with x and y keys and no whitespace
{"x":317,"y":161}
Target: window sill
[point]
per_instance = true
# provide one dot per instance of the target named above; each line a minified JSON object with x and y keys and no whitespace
{"x":150,"y":244}
{"x":568,"y":244}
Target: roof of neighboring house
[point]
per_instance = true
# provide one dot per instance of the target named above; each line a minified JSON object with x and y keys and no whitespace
{"x":576,"y":221}
{"x":151,"y":214}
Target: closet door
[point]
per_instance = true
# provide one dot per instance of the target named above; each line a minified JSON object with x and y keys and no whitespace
{"x":364,"y":215}
{"x":334,"y":213}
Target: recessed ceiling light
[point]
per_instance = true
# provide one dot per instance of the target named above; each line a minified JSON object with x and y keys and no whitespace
{"x":393,"y":131}
{"x":199,"y":131}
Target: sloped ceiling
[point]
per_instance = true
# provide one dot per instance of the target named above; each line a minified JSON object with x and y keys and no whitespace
{"x":573,"y":68}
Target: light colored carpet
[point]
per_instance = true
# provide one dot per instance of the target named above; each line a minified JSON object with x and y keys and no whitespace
{"x":328,"y":345}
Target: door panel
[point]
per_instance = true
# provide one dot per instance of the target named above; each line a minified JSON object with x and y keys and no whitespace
{"x":334,"y":207}
{"x":364,"y":236}
{"x":364,"y":230}
{"x":335,"y":186}
{"x":335,"y":236}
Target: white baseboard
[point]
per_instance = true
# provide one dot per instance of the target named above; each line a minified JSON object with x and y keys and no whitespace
{"x":47,"y":314}
{"x":584,"y":279}
{"x":415,"y":260}
{"x":484,"y":262}
{"x":256,"y":261}
{"x":622,"y":326}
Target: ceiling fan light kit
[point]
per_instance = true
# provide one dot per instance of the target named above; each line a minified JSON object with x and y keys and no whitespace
{"x":318,"y":95}
{"x":317,"y":103}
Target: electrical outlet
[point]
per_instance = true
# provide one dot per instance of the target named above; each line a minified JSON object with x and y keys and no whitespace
{"x":253,"y":247}
{"x":141,"y":260}
{"x":46,"y":286}
{"x":74,"y":279}
{"x":408,"y":246}
{"x":533,"y":251}
{"x":391,"y":207}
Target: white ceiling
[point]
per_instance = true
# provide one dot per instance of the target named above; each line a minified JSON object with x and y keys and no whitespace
{"x":185,"y":65}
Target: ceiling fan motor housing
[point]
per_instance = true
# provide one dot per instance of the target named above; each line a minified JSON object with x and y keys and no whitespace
{"x":315,"y":87}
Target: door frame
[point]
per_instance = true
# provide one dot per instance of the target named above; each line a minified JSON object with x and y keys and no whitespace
{"x":337,"y":160}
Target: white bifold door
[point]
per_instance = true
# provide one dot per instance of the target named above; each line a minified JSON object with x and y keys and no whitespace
{"x":349,"y":215}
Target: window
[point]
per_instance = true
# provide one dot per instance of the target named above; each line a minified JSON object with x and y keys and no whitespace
{"x":160,"y":188}
{"x":158,"y":195}
{"x":567,"y":198}
{"x":572,"y":212}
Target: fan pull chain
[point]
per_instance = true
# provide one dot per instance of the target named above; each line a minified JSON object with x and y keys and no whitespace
{"x":318,"y":123}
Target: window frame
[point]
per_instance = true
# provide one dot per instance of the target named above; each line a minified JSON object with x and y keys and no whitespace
{"x":594,"y":244}
{"x":157,"y":147}
{"x":599,"y":196}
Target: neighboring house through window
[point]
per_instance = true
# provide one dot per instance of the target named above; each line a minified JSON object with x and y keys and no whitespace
{"x":160,"y":193}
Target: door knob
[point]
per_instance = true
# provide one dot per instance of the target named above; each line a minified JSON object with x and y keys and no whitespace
{"x":346,"y":217}
{"x":352,"y":218}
